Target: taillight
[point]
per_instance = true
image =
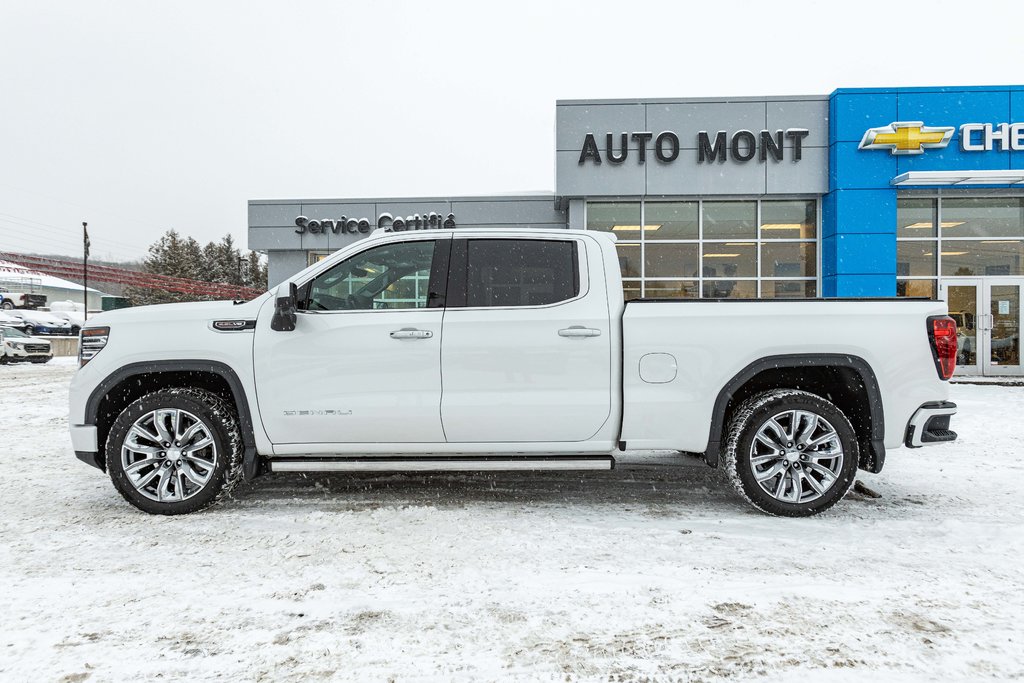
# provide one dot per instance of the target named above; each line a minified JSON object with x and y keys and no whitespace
{"x":91,"y":341}
{"x":942,"y":334}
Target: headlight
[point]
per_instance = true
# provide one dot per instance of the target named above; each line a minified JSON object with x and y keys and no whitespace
{"x":91,"y":342}
{"x":17,"y":345}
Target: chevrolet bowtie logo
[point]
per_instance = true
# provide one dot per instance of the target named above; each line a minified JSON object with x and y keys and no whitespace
{"x":906,"y":137}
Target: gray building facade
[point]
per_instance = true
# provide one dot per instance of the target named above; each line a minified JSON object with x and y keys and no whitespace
{"x":335,"y":223}
{"x":663,"y":155}
{"x":605,"y":150}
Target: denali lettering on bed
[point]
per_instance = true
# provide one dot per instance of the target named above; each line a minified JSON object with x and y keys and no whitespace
{"x":500,"y":350}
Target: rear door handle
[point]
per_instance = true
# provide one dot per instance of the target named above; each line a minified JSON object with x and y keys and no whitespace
{"x":411,"y":333}
{"x":578,"y":331}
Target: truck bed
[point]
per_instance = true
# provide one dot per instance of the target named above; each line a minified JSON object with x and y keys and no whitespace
{"x":710,"y":342}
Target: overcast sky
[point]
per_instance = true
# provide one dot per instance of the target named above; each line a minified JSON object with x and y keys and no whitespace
{"x":144,"y":116}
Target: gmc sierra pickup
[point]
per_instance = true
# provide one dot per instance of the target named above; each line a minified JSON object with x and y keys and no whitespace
{"x":503,"y":350}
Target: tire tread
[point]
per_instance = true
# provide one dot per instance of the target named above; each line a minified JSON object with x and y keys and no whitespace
{"x":219,"y":410}
{"x":736,"y":428}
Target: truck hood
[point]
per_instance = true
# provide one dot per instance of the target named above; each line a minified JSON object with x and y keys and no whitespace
{"x":199,"y":310}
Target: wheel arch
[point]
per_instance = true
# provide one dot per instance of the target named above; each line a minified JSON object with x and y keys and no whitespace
{"x":132,"y":381}
{"x":846,"y":380}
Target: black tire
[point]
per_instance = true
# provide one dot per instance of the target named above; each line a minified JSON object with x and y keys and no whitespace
{"x":29,"y":330}
{"x":795,"y":465}
{"x":216,"y":414}
{"x":7,"y":306}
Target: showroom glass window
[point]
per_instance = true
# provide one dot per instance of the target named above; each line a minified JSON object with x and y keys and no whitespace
{"x":713,"y":249}
{"x":956,"y":236}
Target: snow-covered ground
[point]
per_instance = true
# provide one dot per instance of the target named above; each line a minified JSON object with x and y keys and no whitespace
{"x":651,"y":572}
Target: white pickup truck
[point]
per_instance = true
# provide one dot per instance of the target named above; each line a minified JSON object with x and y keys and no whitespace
{"x":503,"y":350}
{"x":9,"y":300}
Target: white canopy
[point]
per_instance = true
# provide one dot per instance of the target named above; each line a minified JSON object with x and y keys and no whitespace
{"x":12,"y":271}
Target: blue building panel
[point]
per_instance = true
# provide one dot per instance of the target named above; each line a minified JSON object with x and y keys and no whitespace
{"x":851,"y":168}
{"x":864,"y":285}
{"x":1017,"y":116}
{"x":851,"y":112}
{"x":828,"y":286}
{"x":862,"y":212}
{"x":828,"y":215}
{"x":866,"y":254}
{"x":952,"y":159}
{"x":828,"y":257}
{"x":1017,"y":104}
{"x":859,"y":213}
{"x":953,"y":107}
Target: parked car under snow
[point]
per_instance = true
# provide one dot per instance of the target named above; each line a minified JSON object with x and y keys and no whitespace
{"x":8,"y":320}
{"x":76,"y":319}
{"x":41,"y":322}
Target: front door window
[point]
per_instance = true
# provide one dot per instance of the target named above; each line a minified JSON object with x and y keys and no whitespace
{"x":387,"y":277}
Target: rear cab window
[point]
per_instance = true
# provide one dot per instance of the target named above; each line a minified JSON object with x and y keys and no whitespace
{"x":488,"y":273}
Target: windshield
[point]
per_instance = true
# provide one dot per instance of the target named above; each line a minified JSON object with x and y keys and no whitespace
{"x":11,"y":332}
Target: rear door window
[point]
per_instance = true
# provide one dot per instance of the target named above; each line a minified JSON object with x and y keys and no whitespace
{"x":509,"y":272}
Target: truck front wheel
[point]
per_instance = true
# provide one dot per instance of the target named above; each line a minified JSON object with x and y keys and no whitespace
{"x":175,"y":451}
{"x":791,"y":453}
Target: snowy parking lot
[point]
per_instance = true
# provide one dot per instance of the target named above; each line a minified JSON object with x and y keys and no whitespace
{"x":654,"y":571}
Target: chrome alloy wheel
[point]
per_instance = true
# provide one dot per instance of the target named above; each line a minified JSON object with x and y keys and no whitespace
{"x":169,"y":455}
{"x":796,"y":456}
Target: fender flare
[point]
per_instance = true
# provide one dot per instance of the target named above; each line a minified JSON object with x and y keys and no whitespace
{"x":872,"y":446}
{"x":250,"y":459}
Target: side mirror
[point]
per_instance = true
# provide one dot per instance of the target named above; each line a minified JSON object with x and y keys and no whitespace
{"x":286,"y":303}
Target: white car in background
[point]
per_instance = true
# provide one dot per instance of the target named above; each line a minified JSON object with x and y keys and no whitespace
{"x":76,"y":319}
{"x":16,"y":346}
{"x":71,"y":311}
{"x":41,"y":322}
{"x":8,"y":320}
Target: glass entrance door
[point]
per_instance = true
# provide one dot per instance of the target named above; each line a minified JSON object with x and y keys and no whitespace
{"x":988,"y":319}
{"x":1003,"y":306}
{"x":964,"y":301}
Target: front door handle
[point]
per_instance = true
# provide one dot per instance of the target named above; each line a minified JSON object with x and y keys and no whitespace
{"x":411,"y":333}
{"x":578,"y":331}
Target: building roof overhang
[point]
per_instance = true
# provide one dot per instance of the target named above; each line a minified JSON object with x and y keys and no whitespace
{"x":953,"y":178}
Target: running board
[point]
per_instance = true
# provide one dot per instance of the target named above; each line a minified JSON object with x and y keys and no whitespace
{"x":442,"y":464}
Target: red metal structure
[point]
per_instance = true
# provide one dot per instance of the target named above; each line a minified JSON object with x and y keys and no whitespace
{"x":74,"y":270}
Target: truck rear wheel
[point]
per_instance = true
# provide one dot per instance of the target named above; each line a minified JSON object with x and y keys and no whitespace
{"x":175,"y":451}
{"x":790,"y":453}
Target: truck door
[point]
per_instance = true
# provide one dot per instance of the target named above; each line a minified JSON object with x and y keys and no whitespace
{"x":363,"y":363}
{"x":526,"y":354}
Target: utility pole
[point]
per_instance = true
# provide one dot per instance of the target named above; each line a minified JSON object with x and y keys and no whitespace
{"x":85,"y":269}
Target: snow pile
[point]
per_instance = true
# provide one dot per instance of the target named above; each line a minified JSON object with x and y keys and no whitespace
{"x":652,"y":571}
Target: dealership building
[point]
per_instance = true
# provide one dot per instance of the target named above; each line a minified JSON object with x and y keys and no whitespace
{"x":868,"y":192}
